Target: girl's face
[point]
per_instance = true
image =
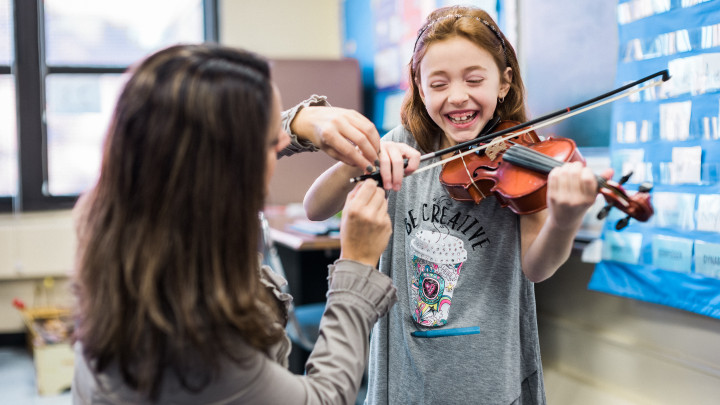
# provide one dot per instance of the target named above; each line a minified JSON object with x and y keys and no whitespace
{"x":460,"y":84}
{"x":277,"y":138}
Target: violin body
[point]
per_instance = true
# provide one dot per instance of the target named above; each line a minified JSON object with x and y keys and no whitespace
{"x":515,"y":172}
{"x":479,"y":175}
{"x":524,"y":191}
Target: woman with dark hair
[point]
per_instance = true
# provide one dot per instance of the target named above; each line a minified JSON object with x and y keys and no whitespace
{"x":173,"y":303}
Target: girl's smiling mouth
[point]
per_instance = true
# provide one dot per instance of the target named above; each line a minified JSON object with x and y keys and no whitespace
{"x":462,"y":118}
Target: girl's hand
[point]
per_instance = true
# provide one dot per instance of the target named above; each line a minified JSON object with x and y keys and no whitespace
{"x":365,"y":227}
{"x":345,"y":135}
{"x":571,"y":191}
{"x":392,"y":163}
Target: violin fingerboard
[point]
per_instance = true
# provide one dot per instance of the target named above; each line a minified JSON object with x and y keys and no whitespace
{"x":530,"y":159}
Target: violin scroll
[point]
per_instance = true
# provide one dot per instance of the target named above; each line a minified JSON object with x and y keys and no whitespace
{"x":637,"y":206}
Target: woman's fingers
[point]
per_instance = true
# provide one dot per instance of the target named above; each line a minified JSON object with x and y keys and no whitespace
{"x":344,"y":134}
{"x":365,"y":227}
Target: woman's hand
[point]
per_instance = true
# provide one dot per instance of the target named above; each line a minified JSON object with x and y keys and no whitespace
{"x":392,"y":163}
{"x":365,"y":227}
{"x":345,"y":135}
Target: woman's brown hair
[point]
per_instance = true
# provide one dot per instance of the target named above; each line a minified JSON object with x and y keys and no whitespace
{"x":167,"y":264}
{"x":477,"y":26}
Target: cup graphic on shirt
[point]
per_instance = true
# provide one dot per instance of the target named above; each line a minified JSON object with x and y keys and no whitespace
{"x":436,"y":263}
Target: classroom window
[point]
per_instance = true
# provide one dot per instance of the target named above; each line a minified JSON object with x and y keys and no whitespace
{"x":69,"y":80}
{"x":8,"y":143}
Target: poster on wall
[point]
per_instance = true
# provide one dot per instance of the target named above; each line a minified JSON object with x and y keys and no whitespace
{"x":668,"y":136}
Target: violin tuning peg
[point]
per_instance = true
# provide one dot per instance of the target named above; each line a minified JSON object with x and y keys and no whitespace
{"x":604,"y":211}
{"x":645,"y":187}
{"x":625,"y":178}
{"x":622,"y":223}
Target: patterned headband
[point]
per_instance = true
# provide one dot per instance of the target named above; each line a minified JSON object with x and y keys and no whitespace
{"x":456,"y":16}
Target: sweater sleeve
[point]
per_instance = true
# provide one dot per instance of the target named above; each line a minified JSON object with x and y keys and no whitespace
{"x":358,"y":296}
{"x":297,"y":145}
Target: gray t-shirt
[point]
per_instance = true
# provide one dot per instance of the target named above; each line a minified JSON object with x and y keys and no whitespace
{"x":457,"y":269}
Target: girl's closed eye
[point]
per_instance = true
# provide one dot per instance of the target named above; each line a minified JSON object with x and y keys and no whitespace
{"x":437,"y":85}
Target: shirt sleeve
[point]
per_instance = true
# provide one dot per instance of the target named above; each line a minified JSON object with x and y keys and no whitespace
{"x":358,"y":296}
{"x":297,"y":145}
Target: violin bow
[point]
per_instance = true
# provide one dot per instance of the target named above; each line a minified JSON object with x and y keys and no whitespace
{"x":547,"y":120}
{"x":537,"y":123}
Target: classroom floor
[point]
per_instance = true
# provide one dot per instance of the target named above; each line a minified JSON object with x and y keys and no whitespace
{"x":17,"y":385}
{"x":17,"y":380}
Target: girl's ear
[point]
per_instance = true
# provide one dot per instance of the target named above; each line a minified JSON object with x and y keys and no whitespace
{"x":507,"y":76}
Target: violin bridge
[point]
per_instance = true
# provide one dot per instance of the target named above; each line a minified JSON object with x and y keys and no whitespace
{"x":495,"y":147}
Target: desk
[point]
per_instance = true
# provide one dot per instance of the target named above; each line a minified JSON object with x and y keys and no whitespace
{"x":305,"y":257}
{"x":283,"y":235}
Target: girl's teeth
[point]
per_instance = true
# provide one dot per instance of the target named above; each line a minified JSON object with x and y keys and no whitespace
{"x":461,"y":119}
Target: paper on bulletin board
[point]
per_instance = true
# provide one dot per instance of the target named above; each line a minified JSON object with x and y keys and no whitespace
{"x":677,"y":262}
{"x":707,"y":259}
{"x":708,"y":213}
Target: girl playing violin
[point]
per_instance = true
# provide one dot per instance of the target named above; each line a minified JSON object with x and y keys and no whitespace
{"x":465,"y":327}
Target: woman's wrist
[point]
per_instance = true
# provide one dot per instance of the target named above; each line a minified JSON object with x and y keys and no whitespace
{"x":299,"y":128}
{"x":302,"y":125}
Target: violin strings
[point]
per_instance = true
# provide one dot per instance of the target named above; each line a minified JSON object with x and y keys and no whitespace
{"x":523,"y":156}
{"x":529,"y":158}
{"x":532,"y":128}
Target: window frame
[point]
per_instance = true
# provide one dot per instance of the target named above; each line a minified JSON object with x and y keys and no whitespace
{"x":30,"y":71}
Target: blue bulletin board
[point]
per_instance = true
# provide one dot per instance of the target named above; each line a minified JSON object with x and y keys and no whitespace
{"x":670,"y":136}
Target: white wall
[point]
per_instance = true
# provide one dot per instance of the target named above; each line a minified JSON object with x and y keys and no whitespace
{"x":642,"y":353}
{"x":283,"y":28}
{"x":34,"y":246}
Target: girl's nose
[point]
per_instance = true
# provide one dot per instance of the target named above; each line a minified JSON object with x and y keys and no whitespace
{"x":458,"y":95}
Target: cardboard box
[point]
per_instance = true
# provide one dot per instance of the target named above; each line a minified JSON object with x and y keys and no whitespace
{"x":49,"y":332}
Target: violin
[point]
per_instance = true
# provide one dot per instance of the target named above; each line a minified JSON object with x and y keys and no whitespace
{"x":484,"y":173}
{"x":514,"y":170}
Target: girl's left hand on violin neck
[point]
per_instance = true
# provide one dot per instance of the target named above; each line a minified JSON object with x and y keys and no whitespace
{"x":571,"y":190}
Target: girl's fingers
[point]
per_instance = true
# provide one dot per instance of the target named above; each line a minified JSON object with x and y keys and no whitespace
{"x":392,"y":163}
